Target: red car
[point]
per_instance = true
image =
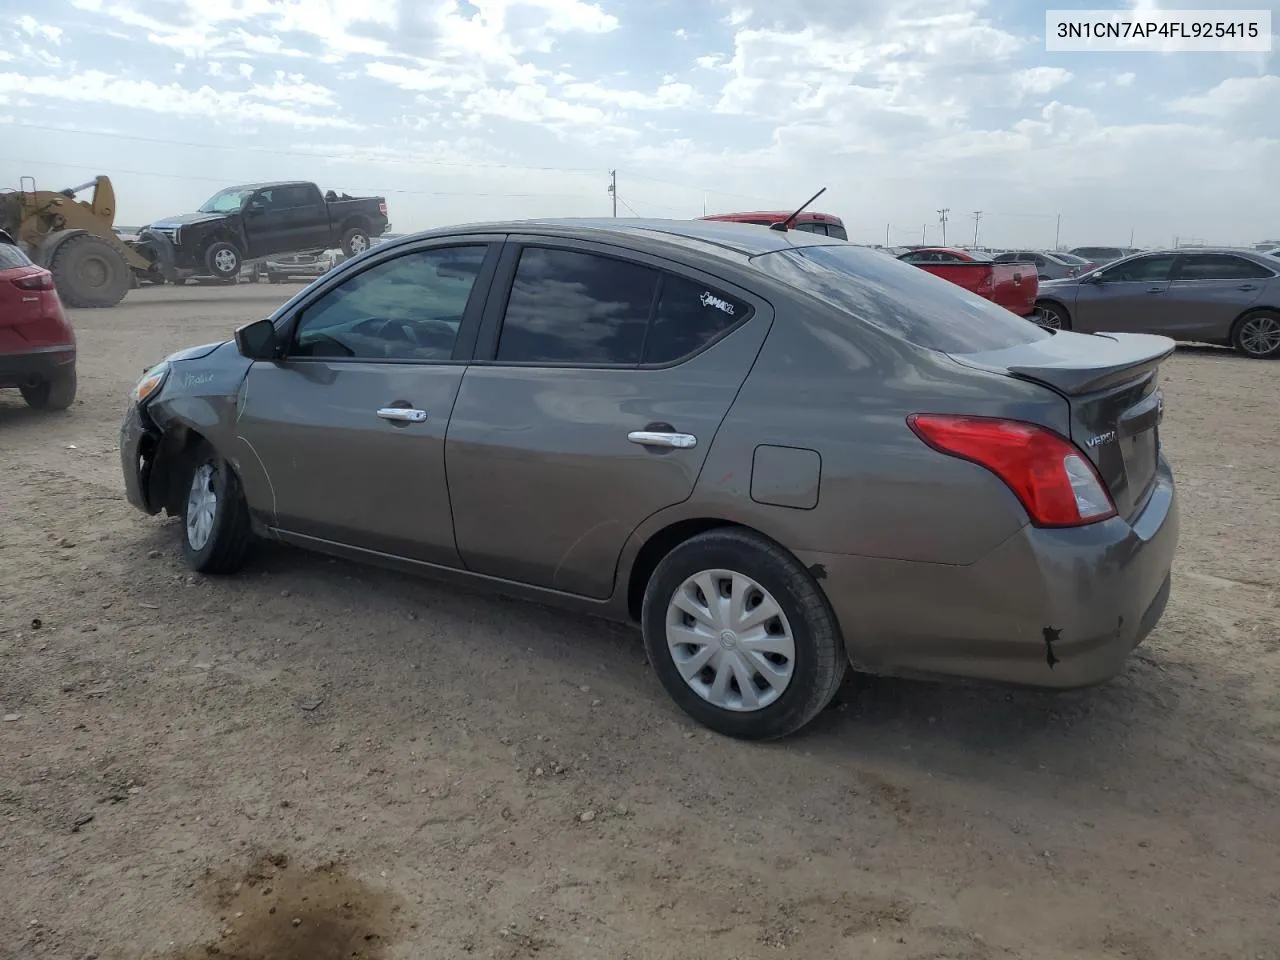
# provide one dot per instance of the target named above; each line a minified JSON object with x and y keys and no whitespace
{"x":1013,"y":286}
{"x":823,"y":224}
{"x":37,"y":344}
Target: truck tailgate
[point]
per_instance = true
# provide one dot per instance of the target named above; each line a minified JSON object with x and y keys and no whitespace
{"x":1014,"y":286}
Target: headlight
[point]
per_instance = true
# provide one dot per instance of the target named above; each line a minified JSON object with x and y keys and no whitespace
{"x":151,"y":382}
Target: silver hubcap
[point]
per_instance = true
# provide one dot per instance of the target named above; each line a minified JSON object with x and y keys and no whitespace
{"x":1048,"y":319}
{"x":202,"y":506}
{"x":730,"y":640}
{"x":225,"y":260}
{"x":1260,"y":335}
{"x":359,"y":244}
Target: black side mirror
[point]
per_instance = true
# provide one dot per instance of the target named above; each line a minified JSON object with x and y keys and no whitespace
{"x":257,"y":340}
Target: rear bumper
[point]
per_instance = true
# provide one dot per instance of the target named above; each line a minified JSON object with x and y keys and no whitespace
{"x":35,"y":366}
{"x":1047,"y":608}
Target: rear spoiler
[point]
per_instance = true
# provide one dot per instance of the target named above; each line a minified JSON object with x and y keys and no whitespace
{"x":1074,"y":363}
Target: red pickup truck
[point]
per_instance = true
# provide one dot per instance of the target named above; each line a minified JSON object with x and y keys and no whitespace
{"x":1013,"y":286}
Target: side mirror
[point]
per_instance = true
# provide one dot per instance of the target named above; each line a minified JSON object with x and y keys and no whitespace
{"x":255,"y":209}
{"x":257,"y":340}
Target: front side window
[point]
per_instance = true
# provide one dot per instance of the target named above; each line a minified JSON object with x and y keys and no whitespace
{"x":408,"y":308}
{"x":690,"y":315}
{"x":571,"y":307}
{"x":1220,"y":266}
{"x":1155,"y":269}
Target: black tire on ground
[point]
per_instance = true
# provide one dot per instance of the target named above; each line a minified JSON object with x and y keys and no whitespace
{"x":1257,"y":334}
{"x":229,"y":535}
{"x":222,"y":260}
{"x":274,"y":278}
{"x":820,"y":661}
{"x":89,"y":272}
{"x":355,"y":241}
{"x":1051,"y":316}
{"x":57,"y":393}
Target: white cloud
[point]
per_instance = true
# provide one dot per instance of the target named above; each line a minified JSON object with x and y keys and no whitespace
{"x":670,"y":95}
{"x":1234,"y":94}
{"x":32,"y":27}
{"x":268,"y":104}
{"x":1041,"y":79}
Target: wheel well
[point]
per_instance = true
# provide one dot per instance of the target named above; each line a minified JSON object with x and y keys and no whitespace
{"x":1056,"y":304}
{"x":172,"y":452}
{"x":657,"y":547}
{"x":355,"y":221}
{"x":1249,"y":313}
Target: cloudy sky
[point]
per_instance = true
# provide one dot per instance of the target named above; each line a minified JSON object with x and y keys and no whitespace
{"x":462,"y":110}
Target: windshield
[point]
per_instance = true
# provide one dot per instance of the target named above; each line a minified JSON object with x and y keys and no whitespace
{"x":226,"y":201}
{"x":1070,"y":258}
{"x":899,"y":299}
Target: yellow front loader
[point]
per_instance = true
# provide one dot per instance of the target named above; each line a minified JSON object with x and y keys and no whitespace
{"x":74,"y":240}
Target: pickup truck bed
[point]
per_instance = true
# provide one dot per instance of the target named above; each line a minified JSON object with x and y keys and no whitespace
{"x":1013,"y":286}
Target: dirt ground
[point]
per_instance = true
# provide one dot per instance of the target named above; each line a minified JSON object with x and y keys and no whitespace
{"x":318,"y":760}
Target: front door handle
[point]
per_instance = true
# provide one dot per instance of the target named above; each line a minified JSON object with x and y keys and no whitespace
{"x":402,"y":414}
{"x":1246,"y":287}
{"x":1155,"y":290}
{"x":663,"y":438}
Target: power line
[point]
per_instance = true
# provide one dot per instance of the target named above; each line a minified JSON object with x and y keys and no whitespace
{"x":633,"y":210}
{"x":295,"y":153}
{"x":378,"y":190}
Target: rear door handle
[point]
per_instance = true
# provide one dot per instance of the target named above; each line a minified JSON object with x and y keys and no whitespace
{"x":663,"y":438}
{"x":1155,"y":290}
{"x":1247,"y":287}
{"x":402,"y":414}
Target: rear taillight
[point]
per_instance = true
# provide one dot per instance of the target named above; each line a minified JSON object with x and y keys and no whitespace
{"x":1055,"y":481}
{"x":986,"y":285}
{"x":1071,"y":271}
{"x":382,"y":208}
{"x":37,"y":281}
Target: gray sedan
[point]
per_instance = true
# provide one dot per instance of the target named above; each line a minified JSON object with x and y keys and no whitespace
{"x":1224,"y":296}
{"x":1049,"y":266}
{"x":776,"y":452}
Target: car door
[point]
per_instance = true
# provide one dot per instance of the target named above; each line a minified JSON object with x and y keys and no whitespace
{"x":266,"y":223}
{"x":600,"y":380}
{"x":311,"y":217}
{"x":349,"y":426}
{"x":1126,"y":297}
{"x":1208,"y":292}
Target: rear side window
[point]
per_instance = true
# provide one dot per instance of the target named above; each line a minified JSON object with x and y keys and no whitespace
{"x":689,"y":316}
{"x":570,"y":307}
{"x":899,"y":299}
{"x":11,"y":255}
{"x":812,"y":226}
{"x":1219,"y":266}
{"x":837,"y":231}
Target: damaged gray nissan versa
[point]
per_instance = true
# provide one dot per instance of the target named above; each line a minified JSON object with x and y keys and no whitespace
{"x":779,"y":453}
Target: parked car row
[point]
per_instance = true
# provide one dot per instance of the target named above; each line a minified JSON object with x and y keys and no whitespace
{"x":1009,"y":283}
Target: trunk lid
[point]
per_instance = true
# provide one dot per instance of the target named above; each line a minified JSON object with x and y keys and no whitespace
{"x":1110,"y":384}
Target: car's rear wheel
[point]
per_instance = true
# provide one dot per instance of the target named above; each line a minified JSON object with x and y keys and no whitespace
{"x":355,"y":241}
{"x":216,"y":535}
{"x":741,"y":635}
{"x":1051,"y":316}
{"x":1257,"y":334}
{"x":56,"y":393}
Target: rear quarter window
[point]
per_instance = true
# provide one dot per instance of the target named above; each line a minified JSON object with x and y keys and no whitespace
{"x":899,"y":299}
{"x":11,"y":256}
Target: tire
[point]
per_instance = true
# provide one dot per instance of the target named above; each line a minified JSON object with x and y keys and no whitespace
{"x":817,"y":661}
{"x":1257,"y":334}
{"x":223,"y":260}
{"x":57,"y":393}
{"x":355,"y":241}
{"x":274,"y":278}
{"x":89,"y":272}
{"x":216,"y":535}
{"x":1051,"y":316}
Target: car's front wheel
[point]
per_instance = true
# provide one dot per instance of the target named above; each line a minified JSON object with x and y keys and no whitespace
{"x":222,"y":260}
{"x":741,"y":635}
{"x":1258,"y":334}
{"x":216,"y":534}
{"x":1051,"y":316}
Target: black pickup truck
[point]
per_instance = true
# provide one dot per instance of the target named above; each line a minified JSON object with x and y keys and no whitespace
{"x":258,"y":220}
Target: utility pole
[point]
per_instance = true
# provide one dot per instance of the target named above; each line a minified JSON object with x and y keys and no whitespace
{"x":977,"y":219}
{"x":886,"y":234}
{"x":1057,"y":233}
{"x":1131,"y":237}
{"x":613,"y":189}
{"x":942,"y":220}
{"x":924,"y":233}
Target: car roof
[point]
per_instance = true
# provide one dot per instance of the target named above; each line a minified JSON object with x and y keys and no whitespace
{"x":265,"y":184}
{"x":720,"y":238}
{"x":1246,"y":252}
{"x":775,"y":215}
